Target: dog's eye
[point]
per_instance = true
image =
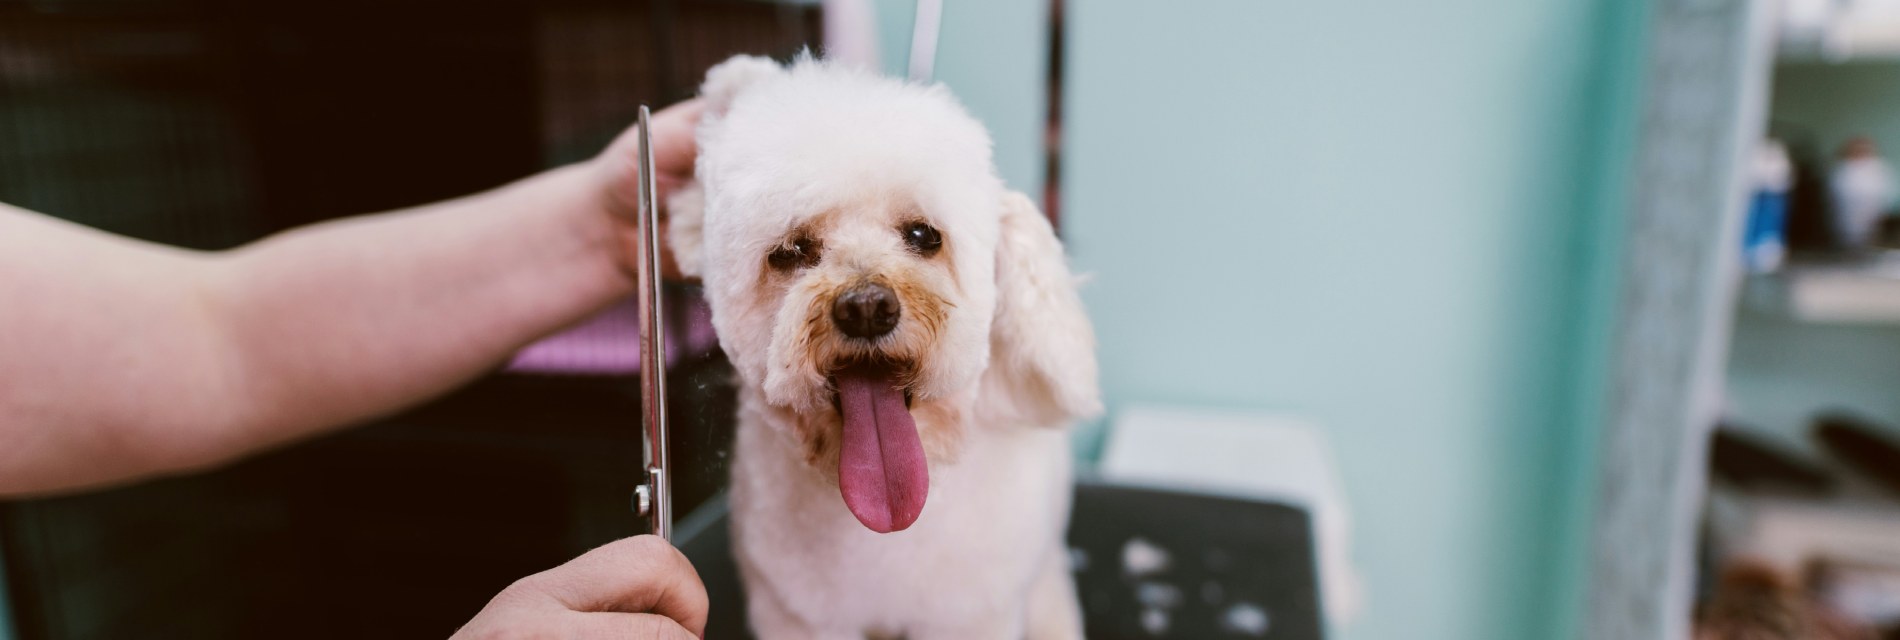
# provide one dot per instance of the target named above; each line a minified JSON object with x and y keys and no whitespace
{"x":800,"y":252}
{"x":923,"y":238}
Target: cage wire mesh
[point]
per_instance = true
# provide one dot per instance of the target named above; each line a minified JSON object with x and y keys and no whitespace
{"x":117,"y":119}
{"x":134,"y":116}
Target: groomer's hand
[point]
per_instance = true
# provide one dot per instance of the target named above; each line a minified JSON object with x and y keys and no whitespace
{"x":675,"y":146}
{"x":639,"y":588}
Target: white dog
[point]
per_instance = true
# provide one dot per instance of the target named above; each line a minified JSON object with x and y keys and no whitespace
{"x":910,"y":347}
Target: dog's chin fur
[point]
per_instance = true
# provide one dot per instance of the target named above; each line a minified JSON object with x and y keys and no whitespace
{"x":809,"y":178}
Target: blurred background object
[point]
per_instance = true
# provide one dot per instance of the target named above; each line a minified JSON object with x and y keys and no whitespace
{"x":1803,"y":510}
{"x":1836,"y":30}
{"x":1764,"y":243}
{"x":1792,"y":539}
{"x":1756,"y":602}
{"x":1265,"y":458}
{"x":1863,"y":189}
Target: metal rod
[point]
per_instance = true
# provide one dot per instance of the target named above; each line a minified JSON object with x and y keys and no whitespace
{"x":923,"y":40}
{"x":652,"y":343}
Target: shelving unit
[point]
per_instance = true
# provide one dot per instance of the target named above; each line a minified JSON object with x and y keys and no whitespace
{"x":1859,"y":292}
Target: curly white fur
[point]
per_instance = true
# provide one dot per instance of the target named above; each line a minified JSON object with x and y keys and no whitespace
{"x":1001,"y":354}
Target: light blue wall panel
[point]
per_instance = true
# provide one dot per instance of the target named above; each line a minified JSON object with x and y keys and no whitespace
{"x":1385,"y":216}
{"x":994,"y":54}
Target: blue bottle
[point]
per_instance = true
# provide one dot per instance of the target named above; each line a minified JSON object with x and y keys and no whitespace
{"x":1764,"y":241}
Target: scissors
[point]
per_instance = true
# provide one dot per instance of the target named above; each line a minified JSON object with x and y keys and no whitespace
{"x":653,"y":498}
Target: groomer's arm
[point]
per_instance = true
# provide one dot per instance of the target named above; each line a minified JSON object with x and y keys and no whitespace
{"x":121,"y":359}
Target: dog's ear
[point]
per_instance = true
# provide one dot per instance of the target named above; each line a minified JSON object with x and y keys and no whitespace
{"x":726,"y":80}
{"x":1040,"y":340}
{"x":686,"y":207}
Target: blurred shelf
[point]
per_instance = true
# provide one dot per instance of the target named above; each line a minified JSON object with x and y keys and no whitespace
{"x":1791,"y":533}
{"x":1830,"y":31}
{"x":1859,"y":291}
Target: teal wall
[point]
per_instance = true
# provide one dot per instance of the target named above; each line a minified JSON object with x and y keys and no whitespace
{"x":1782,"y":371}
{"x":994,"y":54}
{"x":1388,"y":217}
{"x":1600,"y":231}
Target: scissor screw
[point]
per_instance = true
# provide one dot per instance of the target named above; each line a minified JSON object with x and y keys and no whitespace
{"x":642,"y":500}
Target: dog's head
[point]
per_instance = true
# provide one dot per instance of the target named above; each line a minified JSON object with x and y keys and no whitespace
{"x":866,"y":268}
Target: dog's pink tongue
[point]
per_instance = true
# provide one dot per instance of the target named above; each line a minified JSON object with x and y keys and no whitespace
{"x":881,"y":470}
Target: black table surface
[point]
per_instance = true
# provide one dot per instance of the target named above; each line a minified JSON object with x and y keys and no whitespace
{"x":1237,"y":568}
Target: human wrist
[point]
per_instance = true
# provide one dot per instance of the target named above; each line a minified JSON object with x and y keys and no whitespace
{"x":582,"y":201}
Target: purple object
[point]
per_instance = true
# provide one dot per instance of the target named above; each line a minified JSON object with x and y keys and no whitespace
{"x":609,"y":343}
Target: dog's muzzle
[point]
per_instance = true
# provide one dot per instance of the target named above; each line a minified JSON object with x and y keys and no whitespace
{"x":867,"y":311}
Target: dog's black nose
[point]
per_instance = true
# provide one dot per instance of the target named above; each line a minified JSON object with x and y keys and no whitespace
{"x":866,"y":311}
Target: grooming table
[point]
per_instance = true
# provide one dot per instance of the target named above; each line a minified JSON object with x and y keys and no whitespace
{"x":1148,"y":563}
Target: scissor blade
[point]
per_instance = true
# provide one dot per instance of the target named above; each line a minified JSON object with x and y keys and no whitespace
{"x":652,"y":341}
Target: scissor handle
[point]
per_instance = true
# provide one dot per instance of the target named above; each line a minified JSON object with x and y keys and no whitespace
{"x":653,"y":499}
